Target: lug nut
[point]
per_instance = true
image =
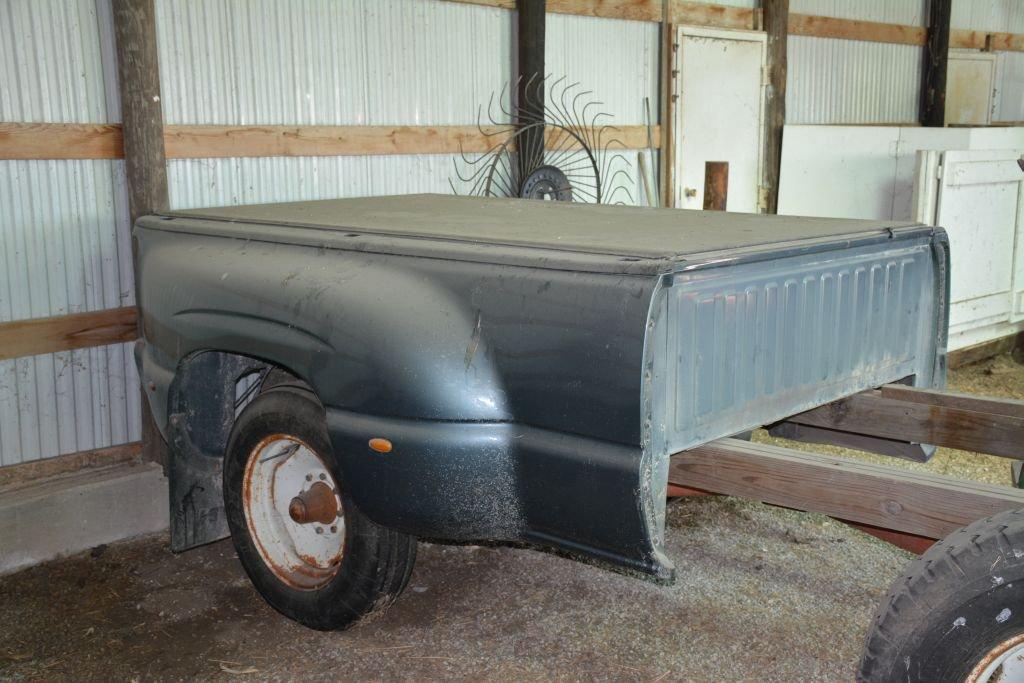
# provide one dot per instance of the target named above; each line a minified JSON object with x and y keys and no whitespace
{"x":334,"y":529}
{"x":309,"y":477}
{"x":323,"y":476}
{"x":319,"y":529}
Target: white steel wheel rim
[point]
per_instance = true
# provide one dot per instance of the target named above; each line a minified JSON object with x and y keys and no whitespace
{"x":303,"y":555}
{"x":1003,"y":664}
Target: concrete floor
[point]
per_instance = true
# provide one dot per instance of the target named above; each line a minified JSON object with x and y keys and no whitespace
{"x":763,"y":594}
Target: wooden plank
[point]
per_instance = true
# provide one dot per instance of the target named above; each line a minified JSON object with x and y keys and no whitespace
{"x":530,"y":74}
{"x":926,"y":505}
{"x":872,"y":414}
{"x":638,"y":10}
{"x":145,"y":161}
{"x":196,"y":142}
{"x":57,"y":140}
{"x":718,"y":16}
{"x":716,"y":185}
{"x":666,"y":133}
{"x":14,"y":476}
{"x":852,"y":29}
{"x":60,"y":141}
{"x":952,"y":399}
{"x":1005,"y":42}
{"x":67,"y":332}
{"x":936,"y":55}
{"x":776,"y":19}
{"x":978,"y":352}
{"x":970,"y":40}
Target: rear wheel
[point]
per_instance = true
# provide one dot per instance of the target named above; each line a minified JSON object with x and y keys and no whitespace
{"x":957,"y":612}
{"x":307,"y":549}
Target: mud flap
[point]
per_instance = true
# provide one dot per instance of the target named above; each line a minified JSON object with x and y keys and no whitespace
{"x":202,"y":415}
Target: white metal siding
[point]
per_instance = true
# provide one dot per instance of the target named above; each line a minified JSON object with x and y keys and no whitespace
{"x":913,"y":12}
{"x":63,"y":236}
{"x":365,"y":62}
{"x":616,"y":59}
{"x":845,"y":81}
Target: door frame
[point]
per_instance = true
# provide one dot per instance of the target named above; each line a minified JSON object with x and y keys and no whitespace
{"x":683,"y":32}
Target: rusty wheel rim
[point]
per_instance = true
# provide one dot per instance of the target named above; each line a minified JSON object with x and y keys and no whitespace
{"x":1004,"y":663}
{"x":293,"y":511}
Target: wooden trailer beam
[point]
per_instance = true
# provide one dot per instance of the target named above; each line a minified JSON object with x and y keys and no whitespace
{"x":916,"y":503}
{"x":969,"y":423}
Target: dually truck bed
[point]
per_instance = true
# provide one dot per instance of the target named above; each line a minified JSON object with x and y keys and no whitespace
{"x":536,"y":363}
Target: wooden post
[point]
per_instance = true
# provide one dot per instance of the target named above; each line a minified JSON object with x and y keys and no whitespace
{"x":776,"y":25}
{"x":666,"y":150}
{"x":530,"y":106}
{"x":716,"y":185}
{"x":143,"y":131}
{"x":936,"y":56}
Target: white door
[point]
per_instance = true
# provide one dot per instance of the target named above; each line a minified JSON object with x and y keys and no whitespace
{"x":979,"y":199}
{"x":719,"y":113}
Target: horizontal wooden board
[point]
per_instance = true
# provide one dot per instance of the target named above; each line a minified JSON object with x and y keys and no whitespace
{"x":940,"y":421}
{"x":849,"y":29}
{"x":78,"y":141}
{"x":964,"y":38}
{"x":67,"y":332}
{"x":718,"y":16}
{"x":639,"y":10}
{"x":927,"y":505}
{"x":60,"y":141}
{"x":14,"y":476}
{"x":195,"y":142}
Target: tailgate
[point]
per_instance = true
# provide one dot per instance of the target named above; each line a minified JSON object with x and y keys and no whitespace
{"x":750,"y":342}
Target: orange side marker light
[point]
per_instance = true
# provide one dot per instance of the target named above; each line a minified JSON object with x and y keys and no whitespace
{"x":380,"y":445}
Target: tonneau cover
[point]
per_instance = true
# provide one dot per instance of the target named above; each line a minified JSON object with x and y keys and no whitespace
{"x":586,"y":228}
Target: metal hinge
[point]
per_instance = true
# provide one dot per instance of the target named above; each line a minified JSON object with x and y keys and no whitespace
{"x":762,"y":197}
{"x":766,"y":76}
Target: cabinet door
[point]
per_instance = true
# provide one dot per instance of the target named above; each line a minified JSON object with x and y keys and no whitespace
{"x":979,"y":205}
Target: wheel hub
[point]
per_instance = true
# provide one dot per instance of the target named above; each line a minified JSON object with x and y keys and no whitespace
{"x":547,"y":182}
{"x":293,"y":511}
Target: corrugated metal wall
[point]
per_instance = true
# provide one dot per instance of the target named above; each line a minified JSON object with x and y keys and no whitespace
{"x":63,"y":236}
{"x":365,"y":62}
{"x":848,"y":82}
{"x":844,"y":81}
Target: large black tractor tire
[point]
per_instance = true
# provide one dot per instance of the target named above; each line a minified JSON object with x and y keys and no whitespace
{"x":955,"y":611}
{"x":372,"y":564}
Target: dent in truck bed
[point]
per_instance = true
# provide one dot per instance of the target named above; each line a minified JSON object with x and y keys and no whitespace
{"x":534,"y":364}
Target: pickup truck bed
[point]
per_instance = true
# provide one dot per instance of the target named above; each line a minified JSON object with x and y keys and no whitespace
{"x":535,"y":363}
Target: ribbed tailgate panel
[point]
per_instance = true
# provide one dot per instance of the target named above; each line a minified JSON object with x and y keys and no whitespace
{"x":750,"y":344}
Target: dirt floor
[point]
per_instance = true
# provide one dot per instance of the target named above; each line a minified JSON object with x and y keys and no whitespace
{"x":763,"y":594}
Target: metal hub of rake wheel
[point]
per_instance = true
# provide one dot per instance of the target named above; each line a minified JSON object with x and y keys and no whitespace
{"x":561,"y":150}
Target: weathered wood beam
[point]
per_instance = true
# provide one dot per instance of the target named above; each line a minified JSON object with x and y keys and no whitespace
{"x":776,"y":25}
{"x":13,"y":476}
{"x":936,"y":56}
{"x":926,"y":505}
{"x":143,"y":133}
{"x":87,"y":141}
{"x":530,"y":74}
{"x":67,"y":332}
{"x":924,"y":418}
{"x":60,"y":141}
{"x":717,"y":16}
{"x":855,"y":29}
{"x":667,"y":94}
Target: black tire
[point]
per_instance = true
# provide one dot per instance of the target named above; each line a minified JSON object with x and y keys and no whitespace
{"x":952,"y":606}
{"x":376,"y":563}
